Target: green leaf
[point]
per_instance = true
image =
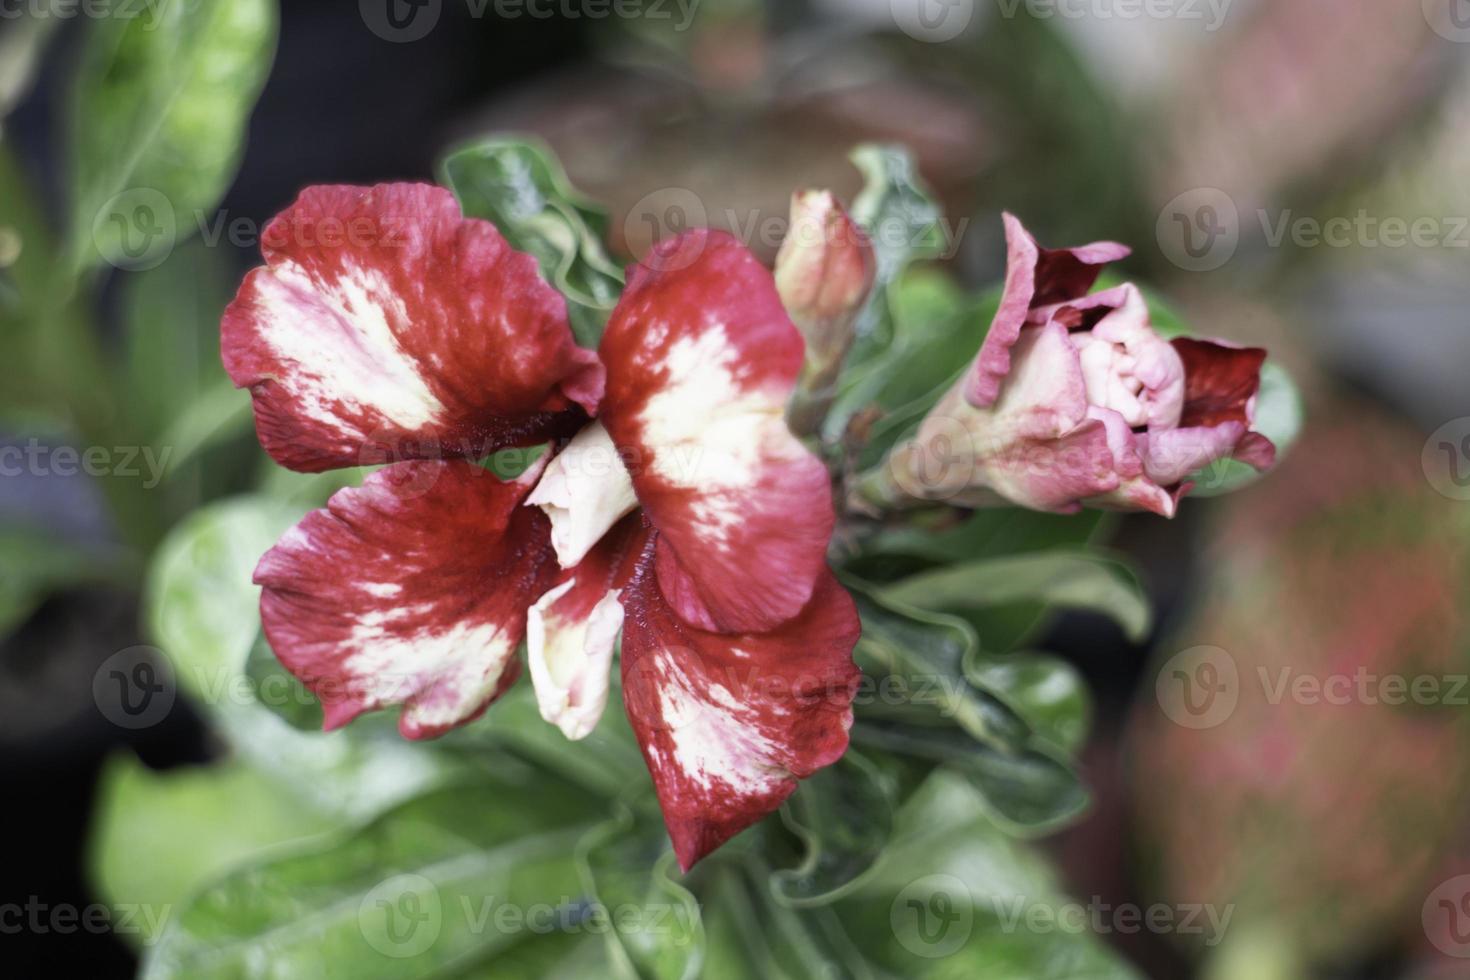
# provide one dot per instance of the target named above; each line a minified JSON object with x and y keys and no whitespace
{"x":441,"y":883}
{"x":752,"y":937}
{"x":904,"y":224}
{"x":1048,"y":692}
{"x":951,"y":896}
{"x":21,"y":48}
{"x":1027,"y":791}
{"x":520,"y":187}
{"x":939,"y":712}
{"x":172,"y":366}
{"x":157,"y":836}
{"x":656,"y":931}
{"x":843,"y":816}
{"x":1072,"y":580}
{"x":162,"y":96}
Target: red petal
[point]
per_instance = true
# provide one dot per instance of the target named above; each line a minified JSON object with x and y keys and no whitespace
{"x":1035,"y":277}
{"x":1219,"y":381}
{"x":728,"y":724}
{"x":701,"y":360}
{"x":386,"y":326}
{"x":410,"y":590}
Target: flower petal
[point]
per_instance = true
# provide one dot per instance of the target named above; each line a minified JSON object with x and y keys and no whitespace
{"x":728,"y":724}
{"x":410,"y":590}
{"x":585,"y":490}
{"x":701,"y":360}
{"x":571,"y":632}
{"x":1220,"y":381}
{"x":1035,"y":277}
{"x":386,"y":326}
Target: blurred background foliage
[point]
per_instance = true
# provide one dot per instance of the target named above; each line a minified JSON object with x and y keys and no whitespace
{"x":140,"y":156}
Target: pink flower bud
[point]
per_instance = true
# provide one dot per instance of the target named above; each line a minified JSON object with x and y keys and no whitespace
{"x":824,"y":272}
{"x":1075,"y":400}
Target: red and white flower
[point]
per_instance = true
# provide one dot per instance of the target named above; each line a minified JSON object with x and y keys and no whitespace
{"x":1075,"y":400}
{"x":687,"y":518}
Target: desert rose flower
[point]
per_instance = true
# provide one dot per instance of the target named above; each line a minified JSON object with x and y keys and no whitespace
{"x":824,"y":272}
{"x":1075,"y":400}
{"x":686,"y":519}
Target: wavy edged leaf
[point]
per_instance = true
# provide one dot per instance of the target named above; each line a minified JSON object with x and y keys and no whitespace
{"x":656,"y":931}
{"x":843,"y":816}
{"x":1048,"y":692}
{"x":421,"y":889}
{"x":519,"y":186}
{"x":162,"y":96}
{"x":1079,"y":580}
{"x":941,"y":714}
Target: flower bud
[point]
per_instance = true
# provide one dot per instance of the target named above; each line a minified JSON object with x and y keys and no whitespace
{"x":824,"y":273}
{"x":1075,"y":400}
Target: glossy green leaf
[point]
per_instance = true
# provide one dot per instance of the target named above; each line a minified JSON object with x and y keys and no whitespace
{"x":925,"y":703}
{"x":954,"y":897}
{"x":843,"y":816}
{"x":521,"y":188}
{"x":655,"y":931}
{"x":438,"y":884}
{"x":162,"y":96}
{"x":158,"y":836}
{"x":1048,"y":692}
{"x":1028,"y":790}
{"x":1071,"y":580}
